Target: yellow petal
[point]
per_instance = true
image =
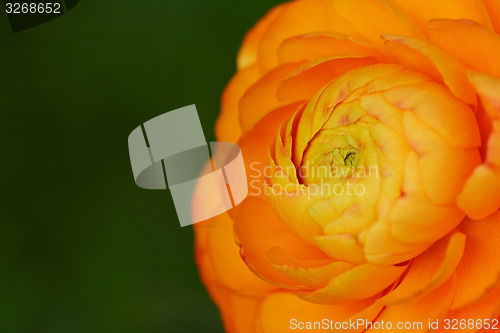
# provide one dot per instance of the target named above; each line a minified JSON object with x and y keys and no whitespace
{"x":382,"y":248}
{"x":443,"y":169}
{"x":342,"y":247}
{"x":417,"y":221}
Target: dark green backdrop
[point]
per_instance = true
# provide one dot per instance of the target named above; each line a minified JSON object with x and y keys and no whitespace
{"x":82,"y":248}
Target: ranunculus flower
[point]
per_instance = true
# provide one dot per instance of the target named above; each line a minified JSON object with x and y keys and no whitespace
{"x":371,"y":134}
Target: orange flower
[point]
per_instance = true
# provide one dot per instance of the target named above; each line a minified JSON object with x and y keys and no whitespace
{"x":371,"y":134}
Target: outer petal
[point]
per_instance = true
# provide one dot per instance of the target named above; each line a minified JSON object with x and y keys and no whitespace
{"x":475,"y":46}
{"x":427,"y":58}
{"x":479,"y":269}
{"x":316,"y":45}
{"x":227,"y":267}
{"x":235,"y":290}
{"x":433,"y":305}
{"x":238,"y":310}
{"x":429,"y":270}
{"x":261,"y":96}
{"x":487,"y":308}
{"x":279,"y":309}
{"x":307,"y":272}
{"x":257,"y":220}
{"x":247,"y":54}
{"x":310,"y":78}
{"x":255,"y":146}
{"x":424,"y":10}
{"x":340,"y":16}
{"x":228,"y":127}
{"x":359,"y":283}
{"x":493,"y":7}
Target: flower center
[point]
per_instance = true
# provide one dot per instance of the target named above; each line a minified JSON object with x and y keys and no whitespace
{"x":345,"y":156}
{"x":331,"y":157}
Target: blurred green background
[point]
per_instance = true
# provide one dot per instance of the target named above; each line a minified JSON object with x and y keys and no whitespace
{"x":82,"y":249}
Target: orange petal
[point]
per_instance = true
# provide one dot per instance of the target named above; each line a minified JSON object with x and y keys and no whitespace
{"x":475,"y":46}
{"x":429,"y":270}
{"x":374,"y":20}
{"x":228,"y":126}
{"x":487,"y":308}
{"x":225,"y":275}
{"x":255,"y":146}
{"x":425,"y":57}
{"x":316,"y":45}
{"x":248,"y":52}
{"x":308,"y":273}
{"x":361,"y":282}
{"x":479,"y":269}
{"x":418,"y":313}
{"x":231,"y":271}
{"x":298,"y":18}
{"x":480,"y":196}
{"x":260,"y":97}
{"x":307,"y":80}
{"x":279,"y":310}
{"x":341,"y":16}
{"x":258,"y":230}
{"x":493,"y":7}
{"x":424,"y":10}
{"x":238,"y":310}
{"x":487,"y":88}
